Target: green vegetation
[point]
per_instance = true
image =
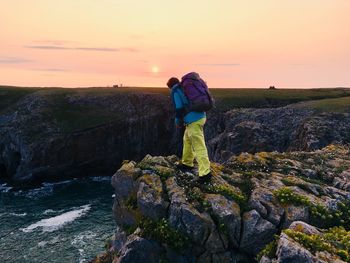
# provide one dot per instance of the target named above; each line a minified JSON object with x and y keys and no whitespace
{"x":10,"y":95}
{"x":269,"y":250}
{"x":228,"y":192}
{"x":162,"y":232}
{"x":245,"y":184}
{"x":195,"y":196}
{"x":286,"y":196}
{"x":226,"y":98}
{"x":320,"y":215}
{"x":163,"y":171}
{"x":330,"y":105}
{"x":297,"y":181}
{"x":335,"y":240}
{"x":246,"y":162}
{"x":262,"y":98}
{"x":131,"y":202}
{"x":77,"y":116}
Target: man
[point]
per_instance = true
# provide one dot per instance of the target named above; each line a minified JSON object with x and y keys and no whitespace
{"x":193,"y":141}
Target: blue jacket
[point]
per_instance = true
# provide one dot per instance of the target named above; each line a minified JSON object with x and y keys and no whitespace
{"x":181,"y":103}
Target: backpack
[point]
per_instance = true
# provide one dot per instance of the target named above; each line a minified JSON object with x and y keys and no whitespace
{"x":197,"y":92}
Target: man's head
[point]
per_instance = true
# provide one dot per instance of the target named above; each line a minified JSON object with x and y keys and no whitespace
{"x":172,"y":82}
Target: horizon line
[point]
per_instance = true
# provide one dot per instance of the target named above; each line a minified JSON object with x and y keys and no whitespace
{"x":158,"y":87}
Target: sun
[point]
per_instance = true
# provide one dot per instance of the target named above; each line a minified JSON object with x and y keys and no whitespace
{"x":155,"y":69}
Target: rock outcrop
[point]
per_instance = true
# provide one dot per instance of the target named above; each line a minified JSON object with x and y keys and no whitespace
{"x":289,"y":128}
{"x":270,"y":207}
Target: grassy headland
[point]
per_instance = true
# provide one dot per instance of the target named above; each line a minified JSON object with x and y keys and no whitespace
{"x":226,"y":98}
{"x":88,"y":112}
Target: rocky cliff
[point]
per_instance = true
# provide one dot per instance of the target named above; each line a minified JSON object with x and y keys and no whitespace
{"x":266,"y":207}
{"x":55,"y":134}
{"x":294,"y":127}
{"x":52,"y":135}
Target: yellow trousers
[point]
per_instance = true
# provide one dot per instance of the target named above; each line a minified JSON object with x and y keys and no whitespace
{"x":194,"y":147}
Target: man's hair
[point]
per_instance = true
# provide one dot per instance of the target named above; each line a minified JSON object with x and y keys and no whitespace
{"x":172,"y":81}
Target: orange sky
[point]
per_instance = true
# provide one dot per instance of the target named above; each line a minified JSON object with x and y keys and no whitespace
{"x":231,"y":43}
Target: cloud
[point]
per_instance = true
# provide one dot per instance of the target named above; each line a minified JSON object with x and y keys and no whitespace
{"x":218,"y":64}
{"x":51,"y":69}
{"x":100,"y":49}
{"x":103,"y":49}
{"x":14,"y":60}
{"x":48,"y":47}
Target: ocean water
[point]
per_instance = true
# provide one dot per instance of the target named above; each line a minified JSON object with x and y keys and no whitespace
{"x":68,"y":221}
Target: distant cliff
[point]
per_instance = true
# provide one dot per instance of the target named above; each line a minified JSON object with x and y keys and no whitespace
{"x":266,"y":207}
{"x":52,"y":134}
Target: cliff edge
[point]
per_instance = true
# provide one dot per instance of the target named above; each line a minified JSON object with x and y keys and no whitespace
{"x":263,"y":207}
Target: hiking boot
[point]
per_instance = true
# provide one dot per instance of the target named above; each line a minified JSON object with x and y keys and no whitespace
{"x":205,"y":178}
{"x":184,"y":167}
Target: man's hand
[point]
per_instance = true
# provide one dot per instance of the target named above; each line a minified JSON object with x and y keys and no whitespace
{"x":179,"y":123}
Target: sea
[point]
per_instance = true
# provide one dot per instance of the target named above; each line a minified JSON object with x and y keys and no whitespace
{"x":68,"y":221}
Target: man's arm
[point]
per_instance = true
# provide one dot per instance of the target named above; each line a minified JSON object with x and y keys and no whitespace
{"x":180,"y":111}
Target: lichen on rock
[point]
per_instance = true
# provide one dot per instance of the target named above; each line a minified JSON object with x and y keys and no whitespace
{"x":260,"y":203}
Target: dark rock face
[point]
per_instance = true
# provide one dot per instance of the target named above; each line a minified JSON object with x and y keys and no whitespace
{"x":138,"y":249}
{"x":150,"y":197}
{"x":289,"y":128}
{"x":290,"y":251}
{"x":251,"y":200}
{"x":35,"y":146}
{"x":257,"y":232}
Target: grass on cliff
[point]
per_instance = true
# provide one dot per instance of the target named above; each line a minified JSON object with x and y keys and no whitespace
{"x":329,"y":105}
{"x":226,"y":98}
{"x":71,"y":117}
{"x":320,"y":215}
{"x":335,"y":241}
{"x":262,"y":98}
{"x":10,"y":95}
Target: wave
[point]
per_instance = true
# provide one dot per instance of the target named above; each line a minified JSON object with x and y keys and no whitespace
{"x":54,"y":223}
{"x":45,"y":190}
{"x":36,"y":193}
{"x":59,"y":183}
{"x":4,"y":188}
{"x":101,"y":178}
{"x":49,"y":211}
{"x":18,"y":214}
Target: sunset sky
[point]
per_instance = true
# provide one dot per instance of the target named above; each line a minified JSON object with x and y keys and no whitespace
{"x":231,"y":43}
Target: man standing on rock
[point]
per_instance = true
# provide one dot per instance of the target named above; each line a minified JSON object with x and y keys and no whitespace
{"x":193,"y":119}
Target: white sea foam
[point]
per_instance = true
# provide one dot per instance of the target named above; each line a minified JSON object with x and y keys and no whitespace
{"x":36,"y":193}
{"x":100,"y":178}
{"x":46,"y":189}
{"x":48,"y":211}
{"x":83,"y":238}
{"x":18,"y":214}
{"x":51,"y":211}
{"x":42,"y":243}
{"x":4,"y":188}
{"x":81,"y":241}
{"x":58,"y":183}
{"x":54,"y":223}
